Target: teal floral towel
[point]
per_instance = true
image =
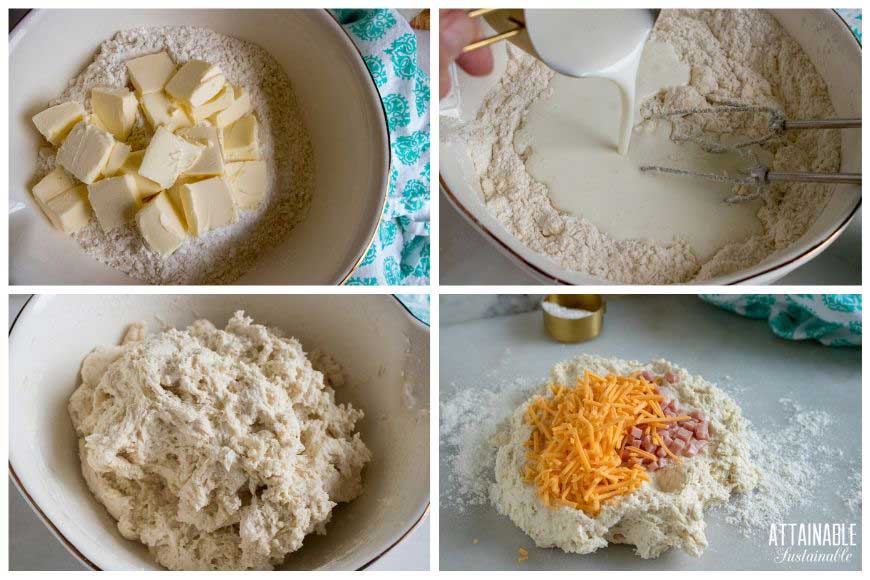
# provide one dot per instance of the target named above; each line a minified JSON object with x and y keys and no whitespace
{"x":832,"y":319}
{"x":400,"y":251}
{"x":852,"y":16}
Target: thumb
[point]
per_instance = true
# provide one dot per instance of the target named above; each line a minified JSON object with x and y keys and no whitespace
{"x":457,"y":30}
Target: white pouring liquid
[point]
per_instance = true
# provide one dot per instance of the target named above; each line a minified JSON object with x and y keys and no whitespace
{"x":604,"y":44}
{"x":570,"y":136}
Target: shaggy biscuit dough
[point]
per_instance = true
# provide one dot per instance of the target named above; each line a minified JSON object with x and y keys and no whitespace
{"x":665,"y":512}
{"x":218,"y":449}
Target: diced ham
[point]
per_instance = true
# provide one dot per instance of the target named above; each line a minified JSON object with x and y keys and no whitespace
{"x":666,"y":438}
{"x":684,"y":434}
{"x":670,"y":377}
{"x":702,"y":431}
{"x":697,"y":415}
{"x":661,"y":451}
{"x":653,"y":466}
{"x":677,"y":446}
{"x":649,"y":447}
{"x":636,"y":432}
{"x":648,"y":376}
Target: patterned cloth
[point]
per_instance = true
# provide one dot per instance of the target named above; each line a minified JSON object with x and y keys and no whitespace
{"x":852,"y":16}
{"x":832,"y":319}
{"x":400,"y":252}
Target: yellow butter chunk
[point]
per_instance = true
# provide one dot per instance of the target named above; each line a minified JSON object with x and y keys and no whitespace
{"x":70,"y":211}
{"x":85,"y":151}
{"x":248,"y":182}
{"x":211,"y":162}
{"x":114,"y":200}
{"x":207,"y":205}
{"x":116,"y":160}
{"x":145,"y":188}
{"x":116,"y":109}
{"x":52,"y":185}
{"x":161,"y":224}
{"x":241,"y":106}
{"x":196,"y":83}
{"x":56,"y":122}
{"x":220,"y":102}
{"x":150,"y":73}
{"x":162,"y":112}
{"x":168,"y":156}
{"x":240,"y":140}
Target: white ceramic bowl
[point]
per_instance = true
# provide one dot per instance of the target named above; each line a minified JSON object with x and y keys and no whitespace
{"x":384,"y":350}
{"x":342,"y":110}
{"x":836,"y":54}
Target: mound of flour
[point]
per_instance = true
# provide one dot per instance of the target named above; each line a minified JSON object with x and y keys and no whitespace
{"x":223,"y":255}
{"x":736,"y":54}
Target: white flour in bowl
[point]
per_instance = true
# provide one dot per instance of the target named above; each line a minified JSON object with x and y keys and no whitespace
{"x":222,"y":255}
{"x":738,"y":54}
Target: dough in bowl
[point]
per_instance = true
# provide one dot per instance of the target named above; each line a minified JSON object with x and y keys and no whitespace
{"x":651,"y":499}
{"x":217,"y":449}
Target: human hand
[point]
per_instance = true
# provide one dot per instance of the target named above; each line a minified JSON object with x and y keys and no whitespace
{"x":457,"y":31}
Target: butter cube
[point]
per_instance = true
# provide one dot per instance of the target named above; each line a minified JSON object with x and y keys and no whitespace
{"x":116,"y":109}
{"x":52,"y":185}
{"x":162,"y":112}
{"x":167,"y":157}
{"x":161,"y":225}
{"x":145,"y":188}
{"x":211,"y":162}
{"x":196,"y":83}
{"x":174,"y":192}
{"x":55,"y":122}
{"x":114,"y":201}
{"x":70,"y":210}
{"x":241,"y":106}
{"x":116,"y":160}
{"x":248,"y":181}
{"x":85,"y":151}
{"x":208,"y":205}
{"x":220,"y":102}
{"x":240,"y":140}
{"x":151,"y":72}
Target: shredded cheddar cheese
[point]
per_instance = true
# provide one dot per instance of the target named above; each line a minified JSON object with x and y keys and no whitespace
{"x":575,"y":452}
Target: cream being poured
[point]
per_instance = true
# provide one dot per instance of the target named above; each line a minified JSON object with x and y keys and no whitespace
{"x":604,"y":44}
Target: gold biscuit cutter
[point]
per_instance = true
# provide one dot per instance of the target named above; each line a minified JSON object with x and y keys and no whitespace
{"x":573,"y":330}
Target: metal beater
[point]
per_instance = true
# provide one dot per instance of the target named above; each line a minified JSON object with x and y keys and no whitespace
{"x":759,"y":176}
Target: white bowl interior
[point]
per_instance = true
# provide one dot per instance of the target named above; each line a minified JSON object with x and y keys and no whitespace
{"x":342,"y":111}
{"x":830,"y":46}
{"x":388,"y":380}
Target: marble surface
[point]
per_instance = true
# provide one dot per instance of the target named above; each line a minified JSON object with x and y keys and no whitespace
{"x":34,"y":547}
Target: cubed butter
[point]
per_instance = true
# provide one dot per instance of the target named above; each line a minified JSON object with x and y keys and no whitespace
{"x":70,"y":210}
{"x":145,"y":188}
{"x":248,"y":181}
{"x":241,"y":106}
{"x":161,"y":225}
{"x":52,"y":185}
{"x":211,"y":162}
{"x":196,"y":83}
{"x":207,"y":205}
{"x":162,"y":112}
{"x":116,"y":109}
{"x":85,"y":151}
{"x":56,"y":122}
{"x":240,"y":140}
{"x":114,"y":200}
{"x":168,"y":156}
{"x":220,"y":102}
{"x":116,"y":160}
{"x":150,"y":73}
{"x":174,"y":192}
